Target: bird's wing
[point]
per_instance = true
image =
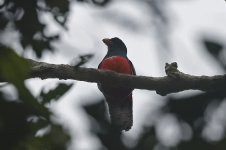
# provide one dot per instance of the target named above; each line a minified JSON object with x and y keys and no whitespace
{"x":133,"y":69}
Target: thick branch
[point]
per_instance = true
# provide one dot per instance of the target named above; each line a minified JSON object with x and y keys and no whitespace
{"x":175,"y":81}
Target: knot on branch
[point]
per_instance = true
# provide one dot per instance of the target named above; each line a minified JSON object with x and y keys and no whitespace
{"x":171,"y":70}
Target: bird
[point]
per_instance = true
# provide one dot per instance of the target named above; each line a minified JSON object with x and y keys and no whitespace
{"x":119,"y":100}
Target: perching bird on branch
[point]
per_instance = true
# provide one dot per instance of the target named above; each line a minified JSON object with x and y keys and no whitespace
{"x":119,"y":100}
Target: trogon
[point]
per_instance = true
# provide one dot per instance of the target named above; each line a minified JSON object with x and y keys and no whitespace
{"x":119,"y":99}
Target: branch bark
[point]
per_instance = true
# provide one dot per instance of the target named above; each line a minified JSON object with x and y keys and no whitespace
{"x":174,"y":81}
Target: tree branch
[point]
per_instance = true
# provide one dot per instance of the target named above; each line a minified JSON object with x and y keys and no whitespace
{"x":175,"y":81}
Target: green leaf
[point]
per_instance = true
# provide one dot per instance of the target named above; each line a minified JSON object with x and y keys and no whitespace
{"x":56,"y":138}
{"x":55,"y":94}
{"x":13,"y":68}
{"x":13,"y":124}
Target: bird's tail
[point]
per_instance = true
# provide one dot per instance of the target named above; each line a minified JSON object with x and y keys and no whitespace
{"x":121,"y":113}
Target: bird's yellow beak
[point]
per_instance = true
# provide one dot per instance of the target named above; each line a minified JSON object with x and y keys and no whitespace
{"x":106,"y":41}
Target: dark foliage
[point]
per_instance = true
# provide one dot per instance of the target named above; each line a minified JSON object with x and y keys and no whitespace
{"x":81,"y":60}
{"x":192,"y":108}
{"x":97,"y":2}
{"x":24,"y":15}
{"x":216,"y":49}
{"x":22,"y":116}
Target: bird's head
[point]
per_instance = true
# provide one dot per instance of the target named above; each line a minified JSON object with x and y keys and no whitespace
{"x":115,"y":45}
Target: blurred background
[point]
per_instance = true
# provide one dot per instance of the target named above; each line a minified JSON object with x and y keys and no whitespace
{"x":57,"y":114}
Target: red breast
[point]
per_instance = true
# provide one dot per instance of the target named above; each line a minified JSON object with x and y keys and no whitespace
{"x":117,"y":64}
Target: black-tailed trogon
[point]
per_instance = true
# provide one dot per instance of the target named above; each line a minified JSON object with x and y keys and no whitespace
{"x":119,"y":99}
